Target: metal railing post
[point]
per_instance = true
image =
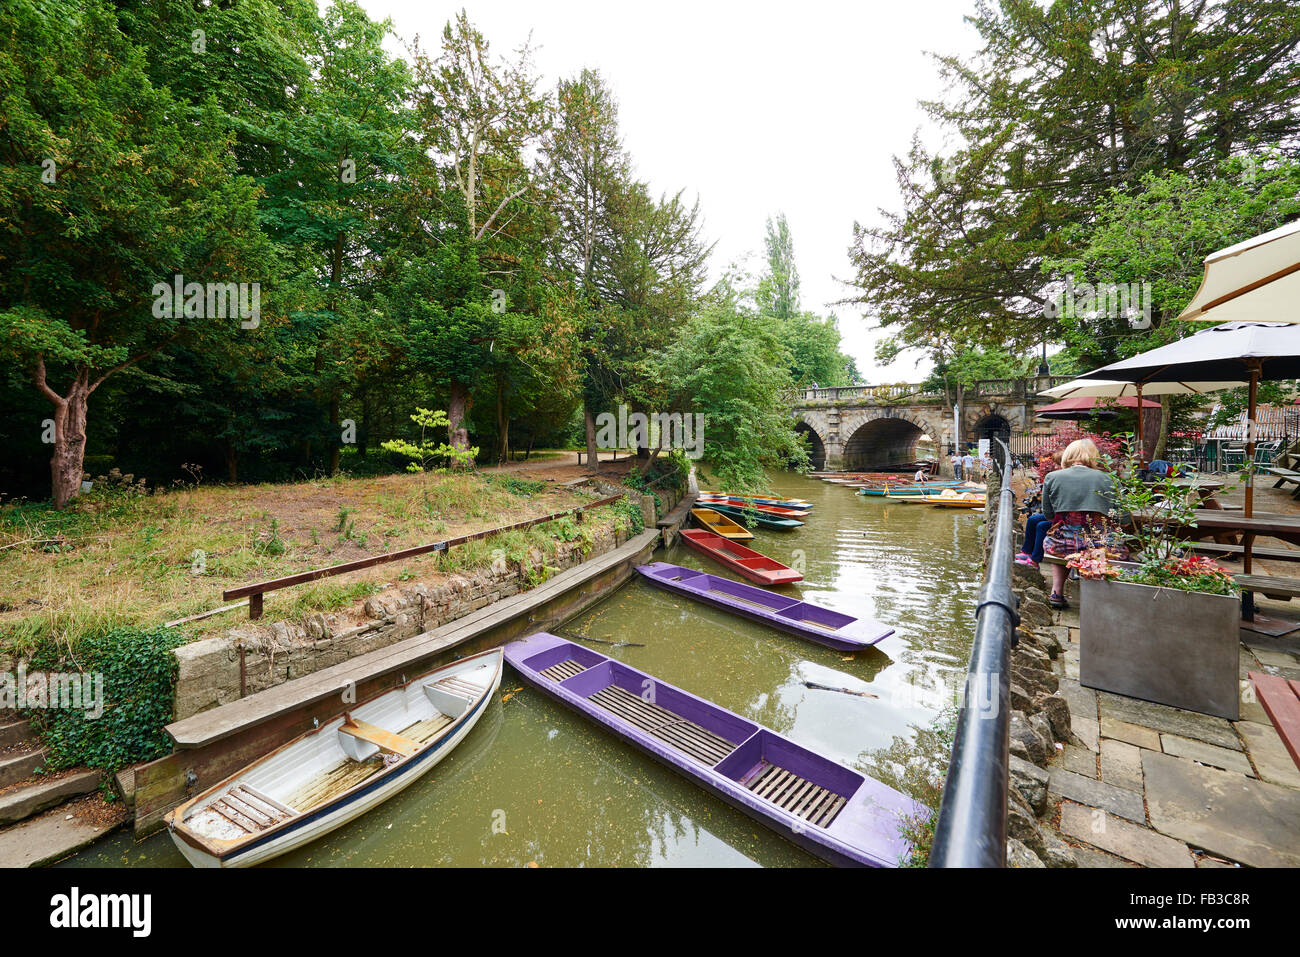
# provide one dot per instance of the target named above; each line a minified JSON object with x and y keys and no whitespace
{"x":972,"y":826}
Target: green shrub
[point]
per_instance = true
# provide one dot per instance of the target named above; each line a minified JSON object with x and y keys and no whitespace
{"x":139,"y":684}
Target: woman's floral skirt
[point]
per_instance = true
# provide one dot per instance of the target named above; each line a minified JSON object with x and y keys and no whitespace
{"x":1072,"y":532}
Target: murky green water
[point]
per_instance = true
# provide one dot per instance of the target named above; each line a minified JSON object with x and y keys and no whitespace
{"x":535,"y":783}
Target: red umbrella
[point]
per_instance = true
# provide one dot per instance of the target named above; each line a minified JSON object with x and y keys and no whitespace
{"x":1082,"y":406}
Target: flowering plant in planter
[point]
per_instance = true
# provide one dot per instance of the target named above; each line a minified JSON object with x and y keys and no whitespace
{"x":1164,"y":510}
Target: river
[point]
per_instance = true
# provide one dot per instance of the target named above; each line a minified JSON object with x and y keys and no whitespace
{"x":534,"y":784}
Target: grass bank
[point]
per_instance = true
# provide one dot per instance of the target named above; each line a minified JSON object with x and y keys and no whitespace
{"x":121,"y":557}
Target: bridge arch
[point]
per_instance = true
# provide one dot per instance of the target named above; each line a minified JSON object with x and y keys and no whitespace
{"x":816,"y":445}
{"x":874,"y":439}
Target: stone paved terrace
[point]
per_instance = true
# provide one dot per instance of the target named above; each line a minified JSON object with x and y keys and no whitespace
{"x":1149,"y":785}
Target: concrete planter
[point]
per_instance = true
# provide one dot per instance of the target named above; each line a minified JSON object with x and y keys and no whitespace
{"x":1159,"y":644}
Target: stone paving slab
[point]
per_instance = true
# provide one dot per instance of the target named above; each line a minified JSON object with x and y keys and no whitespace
{"x":1093,"y":858}
{"x":1121,"y":764}
{"x":1205,"y":753}
{"x":47,"y":838}
{"x":1098,"y":794}
{"x":1188,"y":724}
{"x":1086,"y":730}
{"x":1130,"y":733}
{"x":1079,"y":760}
{"x":1241,"y":818}
{"x":1082,"y":701}
{"x":1270,"y":755}
{"x":1139,"y":844}
{"x":23,"y":802}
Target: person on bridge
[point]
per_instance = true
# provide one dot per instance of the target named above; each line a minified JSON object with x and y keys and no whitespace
{"x":956,"y":465}
{"x":968,"y":466}
{"x":1078,"y":499}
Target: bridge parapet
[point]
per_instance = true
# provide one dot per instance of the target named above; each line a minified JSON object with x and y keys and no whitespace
{"x":916,"y":391}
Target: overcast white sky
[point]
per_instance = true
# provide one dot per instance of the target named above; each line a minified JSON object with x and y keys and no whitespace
{"x":755,"y":107}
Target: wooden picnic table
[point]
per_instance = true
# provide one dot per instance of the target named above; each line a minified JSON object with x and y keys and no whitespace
{"x":1281,"y":700}
{"x":1269,"y":525}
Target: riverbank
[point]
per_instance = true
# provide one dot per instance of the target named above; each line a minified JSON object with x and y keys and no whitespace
{"x":122,"y":556}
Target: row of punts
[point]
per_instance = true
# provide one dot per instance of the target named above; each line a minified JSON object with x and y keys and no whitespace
{"x":338,"y":771}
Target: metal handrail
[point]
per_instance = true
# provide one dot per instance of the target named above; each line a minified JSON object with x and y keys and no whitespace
{"x":972,"y":826}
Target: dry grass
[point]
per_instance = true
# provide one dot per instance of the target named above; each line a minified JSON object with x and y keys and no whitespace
{"x":120,"y":558}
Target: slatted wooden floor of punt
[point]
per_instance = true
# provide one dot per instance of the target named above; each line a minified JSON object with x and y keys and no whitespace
{"x":561,"y":670}
{"x":248,"y":809}
{"x":684,"y":735}
{"x":798,"y":796}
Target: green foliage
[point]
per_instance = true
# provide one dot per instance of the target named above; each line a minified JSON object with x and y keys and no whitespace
{"x":732,"y":366}
{"x":1063,"y":103}
{"x":139,"y":679}
{"x":426,"y":452}
{"x":517,"y":486}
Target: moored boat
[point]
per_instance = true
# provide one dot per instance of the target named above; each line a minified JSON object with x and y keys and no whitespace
{"x":746,"y":562}
{"x":331,"y":775}
{"x":837,"y":813}
{"x":714,"y":521}
{"x":816,"y":623}
{"x":776,"y":510}
{"x":796,"y":503}
{"x":761,"y":519}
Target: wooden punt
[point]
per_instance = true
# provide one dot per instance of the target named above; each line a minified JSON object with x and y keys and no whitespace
{"x":719,"y":524}
{"x":746,"y":562}
{"x":825,"y":626}
{"x":761,"y":519}
{"x":742,"y":504}
{"x":329,"y":776}
{"x":837,"y":813}
{"x":796,"y":503}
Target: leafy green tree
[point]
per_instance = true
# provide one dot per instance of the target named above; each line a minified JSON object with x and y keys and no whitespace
{"x":778,"y":291}
{"x":1064,"y":102}
{"x":731,"y":365}
{"x":108,"y":187}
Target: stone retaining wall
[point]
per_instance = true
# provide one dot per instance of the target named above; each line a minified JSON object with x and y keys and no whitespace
{"x":210,"y":668}
{"x":1040,"y":718}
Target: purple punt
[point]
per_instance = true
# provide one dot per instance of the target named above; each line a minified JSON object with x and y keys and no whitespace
{"x":802,"y":618}
{"x":840,"y":815}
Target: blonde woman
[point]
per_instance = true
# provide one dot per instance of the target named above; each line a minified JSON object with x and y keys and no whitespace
{"x":1078,"y":500}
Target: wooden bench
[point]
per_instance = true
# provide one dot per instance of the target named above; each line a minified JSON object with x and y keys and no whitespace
{"x":383,"y":739}
{"x":1281,"y":700}
{"x":1270,"y":586}
{"x":1283,"y":477}
{"x":1235,"y":551}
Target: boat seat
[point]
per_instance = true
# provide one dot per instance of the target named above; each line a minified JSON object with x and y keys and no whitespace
{"x":452,"y":696}
{"x":355,"y":733}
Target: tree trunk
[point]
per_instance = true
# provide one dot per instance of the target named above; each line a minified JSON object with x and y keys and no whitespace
{"x":335,"y":446}
{"x":68,"y":460}
{"x":232,"y":462}
{"x":590,"y":419}
{"x":1166,"y":416}
{"x":457,"y":407}
{"x":503,"y":423}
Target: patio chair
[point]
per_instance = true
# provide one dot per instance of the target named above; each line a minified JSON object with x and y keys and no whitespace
{"x":1231,"y":459}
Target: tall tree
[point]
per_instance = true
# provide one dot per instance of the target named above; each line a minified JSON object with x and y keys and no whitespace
{"x":109,"y":187}
{"x":480,"y":118}
{"x":1064,"y":102}
{"x":778,"y":290}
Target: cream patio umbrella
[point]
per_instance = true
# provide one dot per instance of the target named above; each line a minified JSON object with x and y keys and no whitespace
{"x":1254,"y":281}
{"x":1255,"y":350}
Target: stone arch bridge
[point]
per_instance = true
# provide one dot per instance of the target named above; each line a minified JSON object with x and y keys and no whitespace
{"x":862,"y":427}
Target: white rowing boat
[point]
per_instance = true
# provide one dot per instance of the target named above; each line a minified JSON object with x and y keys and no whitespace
{"x":335,"y":773}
